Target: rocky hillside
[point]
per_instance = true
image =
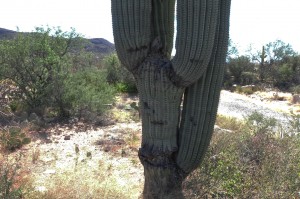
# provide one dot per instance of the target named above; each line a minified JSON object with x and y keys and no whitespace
{"x":95,"y":45}
{"x":100,"y":45}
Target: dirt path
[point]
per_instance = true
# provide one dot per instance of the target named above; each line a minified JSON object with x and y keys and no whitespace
{"x":239,"y":106}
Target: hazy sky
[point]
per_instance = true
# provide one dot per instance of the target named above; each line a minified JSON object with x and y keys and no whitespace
{"x":254,"y":22}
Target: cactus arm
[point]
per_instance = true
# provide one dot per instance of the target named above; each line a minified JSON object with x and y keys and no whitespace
{"x":132,"y":30}
{"x":201,"y":100}
{"x":137,"y":25}
{"x":196,"y":27}
{"x":163,"y":24}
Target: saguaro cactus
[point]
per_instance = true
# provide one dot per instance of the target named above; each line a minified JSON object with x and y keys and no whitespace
{"x":262,"y":62}
{"x":173,"y":141}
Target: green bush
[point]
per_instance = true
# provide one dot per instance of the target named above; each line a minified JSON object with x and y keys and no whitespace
{"x":119,"y":75}
{"x":53,"y":74}
{"x":249,"y":162}
{"x":126,"y":88}
{"x":87,"y":90}
{"x":235,"y":67}
{"x":295,"y":89}
{"x":248,"y":78}
{"x":259,"y":124}
{"x":37,"y":63}
{"x":12,"y":138}
{"x":284,"y":76}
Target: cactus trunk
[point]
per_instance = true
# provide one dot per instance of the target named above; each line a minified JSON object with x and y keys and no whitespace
{"x":174,"y":141}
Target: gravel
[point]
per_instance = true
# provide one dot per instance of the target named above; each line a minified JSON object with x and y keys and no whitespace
{"x":240,"y":106}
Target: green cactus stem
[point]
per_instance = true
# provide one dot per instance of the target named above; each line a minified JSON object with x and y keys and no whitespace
{"x":262,"y":69}
{"x":173,"y":141}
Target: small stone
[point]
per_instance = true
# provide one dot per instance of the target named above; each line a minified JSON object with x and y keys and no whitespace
{"x":49,"y":171}
{"x":67,"y":137}
{"x":41,"y":189}
{"x":295,"y":99}
{"x":76,"y":148}
{"x":88,"y":154}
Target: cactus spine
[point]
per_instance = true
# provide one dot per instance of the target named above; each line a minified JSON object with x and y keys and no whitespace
{"x":173,"y":142}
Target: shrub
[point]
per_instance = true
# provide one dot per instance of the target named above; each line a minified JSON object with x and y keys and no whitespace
{"x":37,"y":63}
{"x":248,"y":90}
{"x":87,"y":90}
{"x":251,"y":162}
{"x":54,"y":76}
{"x":12,"y":138}
{"x":235,"y":67}
{"x":118,"y":75}
{"x":259,"y":124}
{"x":284,"y":76}
{"x":295,"y":89}
{"x":126,"y":87}
{"x":8,"y":175}
{"x":248,"y":78}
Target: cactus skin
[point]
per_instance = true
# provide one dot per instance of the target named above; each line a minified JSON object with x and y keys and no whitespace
{"x":173,"y":142}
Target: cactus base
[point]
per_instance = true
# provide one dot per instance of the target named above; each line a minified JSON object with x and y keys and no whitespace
{"x":163,"y":179}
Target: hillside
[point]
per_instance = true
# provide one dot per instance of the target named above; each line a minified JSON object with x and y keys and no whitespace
{"x":95,"y":45}
{"x":5,"y":34}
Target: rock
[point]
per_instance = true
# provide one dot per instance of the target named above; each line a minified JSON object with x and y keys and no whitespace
{"x":34,"y":118}
{"x":47,"y":159}
{"x":89,"y":154}
{"x":76,"y":148}
{"x":41,"y":189}
{"x":218,"y":129}
{"x":67,"y":137}
{"x":49,"y":171}
{"x":296,"y":99}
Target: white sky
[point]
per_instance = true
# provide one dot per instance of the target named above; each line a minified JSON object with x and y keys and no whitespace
{"x":254,"y":22}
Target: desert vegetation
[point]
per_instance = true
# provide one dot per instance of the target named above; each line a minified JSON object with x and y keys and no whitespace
{"x":275,"y":65}
{"x":51,"y":87}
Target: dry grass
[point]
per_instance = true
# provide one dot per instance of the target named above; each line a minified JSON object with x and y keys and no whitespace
{"x":133,"y":139}
{"x":84,"y":184}
{"x":229,"y":123}
{"x":125,"y":109}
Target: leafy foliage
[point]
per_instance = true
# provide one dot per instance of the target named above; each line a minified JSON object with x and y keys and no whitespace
{"x":277,"y":64}
{"x":36,"y":63}
{"x":240,"y":70}
{"x":118,"y":75}
{"x":53,"y":74}
{"x":278,"y":50}
{"x":87,"y":90}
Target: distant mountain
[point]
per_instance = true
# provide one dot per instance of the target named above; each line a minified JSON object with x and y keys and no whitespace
{"x":100,"y":45}
{"x":6,"y":34}
{"x":95,"y":45}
